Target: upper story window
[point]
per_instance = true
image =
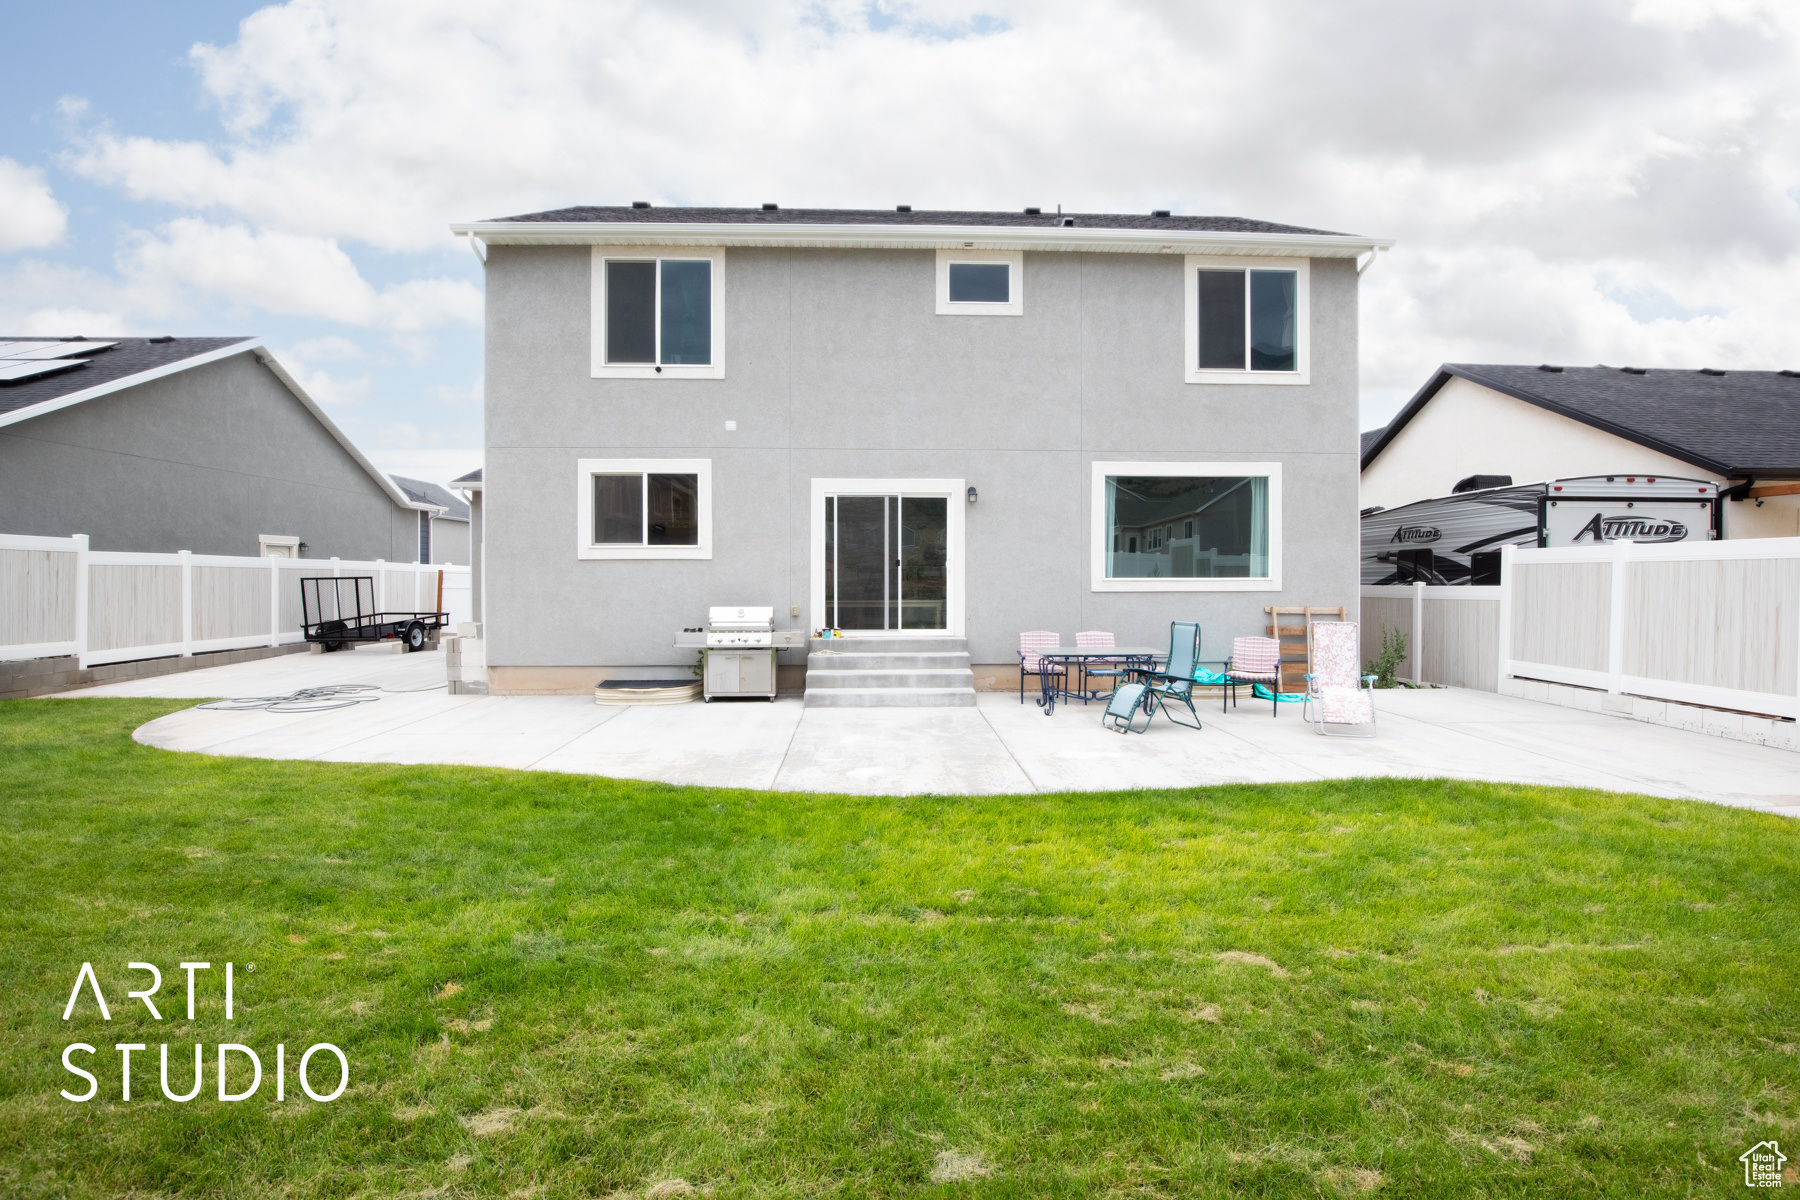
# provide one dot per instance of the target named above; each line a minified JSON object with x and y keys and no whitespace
{"x":1247,"y":320}
{"x":644,"y":508}
{"x":658,"y":314}
{"x":980,"y":283}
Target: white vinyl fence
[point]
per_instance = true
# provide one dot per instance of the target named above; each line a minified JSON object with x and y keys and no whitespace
{"x":1452,"y":633}
{"x":1708,"y":623}
{"x":58,"y":597}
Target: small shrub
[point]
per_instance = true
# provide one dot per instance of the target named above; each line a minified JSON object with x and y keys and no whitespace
{"x":1393,"y":650}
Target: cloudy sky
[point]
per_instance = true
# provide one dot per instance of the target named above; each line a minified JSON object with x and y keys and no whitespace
{"x":1570,"y":181}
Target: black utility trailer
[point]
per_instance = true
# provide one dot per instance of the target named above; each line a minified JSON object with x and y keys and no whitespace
{"x":336,"y":610}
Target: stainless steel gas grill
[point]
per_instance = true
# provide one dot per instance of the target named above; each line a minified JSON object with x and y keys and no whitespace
{"x":740,"y":652}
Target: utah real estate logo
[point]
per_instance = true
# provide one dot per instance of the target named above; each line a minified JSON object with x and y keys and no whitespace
{"x":1762,"y":1165}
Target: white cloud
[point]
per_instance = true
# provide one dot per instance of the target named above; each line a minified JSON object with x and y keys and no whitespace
{"x":1547,"y":164}
{"x":30,"y":215}
{"x":332,"y":392}
{"x":292,"y":274}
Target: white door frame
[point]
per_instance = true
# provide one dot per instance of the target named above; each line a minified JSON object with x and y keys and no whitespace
{"x":953,"y":489}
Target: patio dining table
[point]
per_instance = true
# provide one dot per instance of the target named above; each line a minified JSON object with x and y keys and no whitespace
{"x":1132,"y":658}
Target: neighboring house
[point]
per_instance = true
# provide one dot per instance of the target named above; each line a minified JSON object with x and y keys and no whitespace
{"x":203,"y":444}
{"x":1738,"y":429}
{"x":470,"y":486}
{"x":932,"y":425}
{"x":443,"y":526}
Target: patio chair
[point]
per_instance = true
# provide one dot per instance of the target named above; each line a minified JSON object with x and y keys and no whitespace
{"x":1174,"y":684}
{"x":1031,"y":663}
{"x":1122,"y":708}
{"x":1337,"y":693}
{"x":1253,"y":660}
{"x":1098,"y":668}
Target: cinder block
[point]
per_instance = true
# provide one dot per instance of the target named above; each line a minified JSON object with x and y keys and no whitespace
{"x":1613,"y":703}
{"x":1725,"y":724}
{"x":1646,"y":709}
{"x":1757,"y":729}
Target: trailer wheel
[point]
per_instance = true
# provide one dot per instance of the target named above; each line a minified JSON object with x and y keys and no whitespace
{"x":415,"y":637}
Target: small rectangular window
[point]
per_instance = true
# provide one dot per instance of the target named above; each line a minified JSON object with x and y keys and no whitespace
{"x":1247,"y":320}
{"x":979,"y":283}
{"x":646,"y":510}
{"x":657,"y":315}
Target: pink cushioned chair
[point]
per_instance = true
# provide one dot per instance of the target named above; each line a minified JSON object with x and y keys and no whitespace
{"x":1031,"y":663}
{"x":1337,"y":692}
{"x":1253,"y":660}
{"x":1096,"y":668}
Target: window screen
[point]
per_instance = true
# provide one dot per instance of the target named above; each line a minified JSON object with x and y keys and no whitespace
{"x":618,"y":510}
{"x":980,"y":283}
{"x":1221,"y":296}
{"x":630,"y":312}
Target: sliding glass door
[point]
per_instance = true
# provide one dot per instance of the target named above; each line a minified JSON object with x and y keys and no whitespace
{"x":887,"y":563}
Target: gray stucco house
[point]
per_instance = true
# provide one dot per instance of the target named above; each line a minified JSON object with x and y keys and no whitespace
{"x":934,"y":430}
{"x":443,"y":526}
{"x":157,"y":445}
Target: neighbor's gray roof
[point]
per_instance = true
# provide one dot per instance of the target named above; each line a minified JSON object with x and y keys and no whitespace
{"x":1369,"y":437}
{"x":1730,"y":423}
{"x":472,"y":477}
{"x":420,"y":492}
{"x":132,"y":356}
{"x":890,"y":217}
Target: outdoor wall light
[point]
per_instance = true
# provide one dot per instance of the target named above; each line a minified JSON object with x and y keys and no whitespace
{"x":972,"y":493}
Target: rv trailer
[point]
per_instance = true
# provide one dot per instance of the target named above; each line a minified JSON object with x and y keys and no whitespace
{"x":1456,"y":539}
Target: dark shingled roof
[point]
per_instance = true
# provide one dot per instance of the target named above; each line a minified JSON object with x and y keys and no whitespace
{"x":1739,"y":423}
{"x":1369,"y":437}
{"x":420,"y":492}
{"x":131,"y":356}
{"x":887,"y":216}
{"x":472,"y":477}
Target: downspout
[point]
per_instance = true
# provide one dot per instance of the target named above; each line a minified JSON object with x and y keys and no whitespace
{"x":1361,"y":267}
{"x":475,"y":249}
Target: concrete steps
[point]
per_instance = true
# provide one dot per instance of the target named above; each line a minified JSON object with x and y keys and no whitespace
{"x":889,"y":672}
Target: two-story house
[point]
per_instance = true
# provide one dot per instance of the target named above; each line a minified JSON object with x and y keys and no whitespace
{"x":934,"y":430}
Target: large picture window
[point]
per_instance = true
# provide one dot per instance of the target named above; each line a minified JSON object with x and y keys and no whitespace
{"x":657,"y":315}
{"x":645,"y":508}
{"x":1187,"y":526}
{"x":1247,"y":320}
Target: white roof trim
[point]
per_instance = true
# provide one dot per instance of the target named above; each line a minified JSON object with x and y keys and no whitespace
{"x":268,"y":359}
{"x":98,"y":390}
{"x":916,"y":237}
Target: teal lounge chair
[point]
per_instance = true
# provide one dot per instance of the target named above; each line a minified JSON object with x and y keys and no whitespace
{"x":1174,"y":684}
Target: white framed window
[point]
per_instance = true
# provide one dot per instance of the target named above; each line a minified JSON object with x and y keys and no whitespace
{"x":980,"y":283}
{"x":658,"y":313}
{"x":644,"y":508}
{"x":1247,"y":319}
{"x":1233,"y":510}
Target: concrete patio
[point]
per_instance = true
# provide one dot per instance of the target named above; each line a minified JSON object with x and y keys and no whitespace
{"x":999,"y":746}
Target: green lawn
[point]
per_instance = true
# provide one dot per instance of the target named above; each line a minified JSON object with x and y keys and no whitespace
{"x":556,"y":986}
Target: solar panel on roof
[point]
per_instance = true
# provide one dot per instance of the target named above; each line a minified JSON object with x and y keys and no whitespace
{"x":15,"y":370}
{"x":9,"y":351}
